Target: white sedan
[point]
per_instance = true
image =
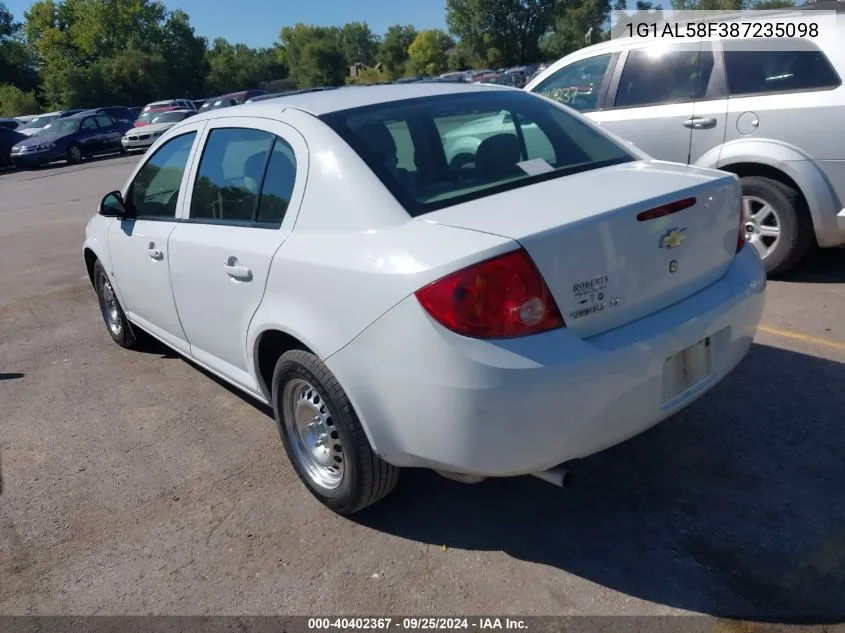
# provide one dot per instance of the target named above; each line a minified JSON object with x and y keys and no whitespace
{"x":501,"y":317}
{"x":144,"y":136}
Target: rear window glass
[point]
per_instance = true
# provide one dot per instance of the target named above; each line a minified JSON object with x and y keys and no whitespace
{"x":798,"y":66}
{"x":435,"y":152}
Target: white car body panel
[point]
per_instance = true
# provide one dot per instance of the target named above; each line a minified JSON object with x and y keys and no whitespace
{"x":340,"y":273}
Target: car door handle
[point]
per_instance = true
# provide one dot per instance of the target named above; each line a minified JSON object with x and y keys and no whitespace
{"x":236,"y":271}
{"x":700,"y":123}
{"x":156,"y":253}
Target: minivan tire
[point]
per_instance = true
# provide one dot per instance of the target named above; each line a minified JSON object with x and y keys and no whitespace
{"x":365,"y":477}
{"x":796,"y":228}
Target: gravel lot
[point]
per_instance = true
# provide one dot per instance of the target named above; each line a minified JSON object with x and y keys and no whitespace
{"x":134,"y":483}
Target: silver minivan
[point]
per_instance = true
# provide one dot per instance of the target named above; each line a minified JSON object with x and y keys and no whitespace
{"x":773,"y":115}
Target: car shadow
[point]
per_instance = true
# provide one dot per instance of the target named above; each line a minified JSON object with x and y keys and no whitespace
{"x":11,"y":375}
{"x":820,"y":266}
{"x":733,"y":508}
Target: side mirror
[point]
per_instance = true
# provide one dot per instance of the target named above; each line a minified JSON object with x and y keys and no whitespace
{"x":112,"y":205}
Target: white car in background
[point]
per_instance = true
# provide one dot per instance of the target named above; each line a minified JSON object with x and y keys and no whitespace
{"x":494,"y":319}
{"x":186,"y":104}
{"x":142,"y":137}
{"x":38,"y":123}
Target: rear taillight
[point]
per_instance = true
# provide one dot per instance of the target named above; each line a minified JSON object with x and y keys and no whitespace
{"x":502,"y":297}
{"x":740,"y":238}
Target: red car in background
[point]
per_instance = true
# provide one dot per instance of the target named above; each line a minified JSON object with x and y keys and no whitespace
{"x":149,"y":115}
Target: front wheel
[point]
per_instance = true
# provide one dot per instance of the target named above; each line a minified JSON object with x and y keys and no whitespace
{"x":777,"y":223}
{"x":323,"y":437}
{"x":118,"y":326}
{"x":74,"y":154}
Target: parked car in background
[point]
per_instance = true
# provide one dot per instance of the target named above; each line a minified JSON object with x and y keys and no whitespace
{"x":26,"y":118}
{"x":770,"y":116}
{"x":35,"y":125}
{"x":61,"y":115}
{"x":10,"y":124}
{"x":513,"y":298}
{"x":134,"y":138}
{"x":146,"y":117}
{"x":136,"y":111}
{"x":119,"y":113}
{"x":71,"y":139}
{"x":216,"y":104}
{"x":198,"y":102}
{"x":8,"y":139}
{"x":185,"y":104}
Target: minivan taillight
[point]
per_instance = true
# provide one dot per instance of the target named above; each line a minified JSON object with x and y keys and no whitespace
{"x":502,"y":297}
{"x":740,"y":238}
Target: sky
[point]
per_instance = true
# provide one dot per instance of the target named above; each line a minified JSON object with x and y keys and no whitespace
{"x":257,"y":22}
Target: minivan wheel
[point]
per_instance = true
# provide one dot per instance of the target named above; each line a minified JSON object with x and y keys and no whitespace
{"x":776,"y":223}
{"x":323,"y":437}
{"x":116,"y":323}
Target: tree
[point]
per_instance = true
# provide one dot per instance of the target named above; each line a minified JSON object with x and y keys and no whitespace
{"x":185,"y":54}
{"x":359,"y":44}
{"x":17,"y":64}
{"x":16,"y":102}
{"x":233,"y":67}
{"x":427,"y":53}
{"x":578,"y":23}
{"x":513,"y":27}
{"x":393,"y":53}
{"x":314,"y":55}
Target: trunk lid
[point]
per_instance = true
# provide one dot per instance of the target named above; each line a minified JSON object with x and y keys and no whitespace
{"x":604,"y":266}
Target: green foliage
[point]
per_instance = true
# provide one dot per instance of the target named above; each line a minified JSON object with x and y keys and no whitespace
{"x":512,"y":27}
{"x":17,"y":63}
{"x":427,"y":53}
{"x":314,"y":55}
{"x":577,"y":26}
{"x":237,"y":67}
{"x":16,"y":102}
{"x":359,"y":43}
{"x":393,"y":53}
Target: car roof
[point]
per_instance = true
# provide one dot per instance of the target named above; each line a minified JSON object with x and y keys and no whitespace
{"x":347,"y":97}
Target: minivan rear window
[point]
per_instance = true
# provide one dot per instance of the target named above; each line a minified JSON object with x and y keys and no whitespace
{"x":435,"y":152}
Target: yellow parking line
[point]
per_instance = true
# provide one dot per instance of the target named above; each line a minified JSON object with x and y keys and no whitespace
{"x":798,"y":336}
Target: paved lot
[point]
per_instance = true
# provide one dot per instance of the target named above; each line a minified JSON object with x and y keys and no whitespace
{"x":134,"y":483}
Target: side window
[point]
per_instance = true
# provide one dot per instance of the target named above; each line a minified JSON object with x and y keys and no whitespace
{"x":155,"y":190}
{"x":577,"y":85}
{"x":672,"y":76}
{"x":104,"y":120}
{"x":229,"y":175}
{"x":278,"y":184}
{"x":802,"y":67}
{"x":89,"y":124}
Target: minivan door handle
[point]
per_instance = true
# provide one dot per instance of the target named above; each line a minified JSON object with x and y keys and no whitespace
{"x":236,"y":270}
{"x":700,"y":123}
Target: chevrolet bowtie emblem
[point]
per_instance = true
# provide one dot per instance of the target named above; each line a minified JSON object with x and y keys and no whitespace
{"x":672,"y":238}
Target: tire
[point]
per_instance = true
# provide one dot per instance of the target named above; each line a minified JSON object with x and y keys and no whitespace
{"x":301,"y":381}
{"x":74,"y":154}
{"x":793,"y":219}
{"x":117,"y":325}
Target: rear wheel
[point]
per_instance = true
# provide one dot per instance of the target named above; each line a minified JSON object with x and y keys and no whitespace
{"x":323,"y":437}
{"x":776,"y":223}
{"x":116,"y":323}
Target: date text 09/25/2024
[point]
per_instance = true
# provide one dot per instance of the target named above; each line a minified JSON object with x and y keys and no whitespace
{"x":752,"y":30}
{"x":416,"y":623}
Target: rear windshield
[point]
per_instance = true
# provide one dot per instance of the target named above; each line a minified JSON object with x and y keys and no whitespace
{"x":434,"y":152}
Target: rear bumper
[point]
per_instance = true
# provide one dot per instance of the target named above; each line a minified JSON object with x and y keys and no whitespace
{"x":430,"y":398}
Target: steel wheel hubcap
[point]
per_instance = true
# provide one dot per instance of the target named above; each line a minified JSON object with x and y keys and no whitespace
{"x":762,"y":224}
{"x":75,"y":153}
{"x":313,"y":437}
{"x":108,"y":304}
